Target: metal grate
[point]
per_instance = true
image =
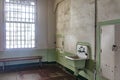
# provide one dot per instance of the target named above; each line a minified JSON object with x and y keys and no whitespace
{"x":20,"y":23}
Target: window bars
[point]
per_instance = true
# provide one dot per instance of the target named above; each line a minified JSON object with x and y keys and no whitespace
{"x":20,"y":17}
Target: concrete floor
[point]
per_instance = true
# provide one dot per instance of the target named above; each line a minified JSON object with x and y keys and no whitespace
{"x":45,"y":73}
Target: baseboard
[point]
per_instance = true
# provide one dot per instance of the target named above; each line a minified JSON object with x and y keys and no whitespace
{"x":53,"y":62}
{"x":81,"y":78}
{"x":9,"y":68}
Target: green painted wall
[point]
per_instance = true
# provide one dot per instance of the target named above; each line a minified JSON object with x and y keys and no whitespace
{"x":89,"y":67}
{"x":47,"y":54}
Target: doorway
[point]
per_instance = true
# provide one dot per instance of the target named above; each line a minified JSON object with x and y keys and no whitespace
{"x":110,"y":51}
{"x":107,"y":54}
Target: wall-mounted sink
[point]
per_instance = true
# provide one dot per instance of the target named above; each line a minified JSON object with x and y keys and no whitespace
{"x":74,"y":58}
{"x":81,"y":56}
{"x":77,"y":63}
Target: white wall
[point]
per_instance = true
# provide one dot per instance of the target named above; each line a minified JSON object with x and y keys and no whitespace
{"x":42,"y":23}
{"x":51,"y":25}
{"x":46,"y":24}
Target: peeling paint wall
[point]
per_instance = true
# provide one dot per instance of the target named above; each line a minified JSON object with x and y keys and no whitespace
{"x":108,"y":10}
{"x":75,"y":23}
{"x":62,"y":22}
{"x":82,"y":23}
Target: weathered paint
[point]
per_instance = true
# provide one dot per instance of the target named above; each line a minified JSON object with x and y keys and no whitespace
{"x":108,"y":14}
{"x":107,"y":55}
{"x":108,"y":10}
{"x":70,"y":19}
{"x":74,"y":23}
{"x":100,"y":25}
{"x":109,"y":22}
{"x":117,"y":53}
{"x":62,"y":21}
{"x":82,"y":24}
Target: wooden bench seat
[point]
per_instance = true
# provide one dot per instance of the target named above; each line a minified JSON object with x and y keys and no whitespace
{"x":3,"y":60}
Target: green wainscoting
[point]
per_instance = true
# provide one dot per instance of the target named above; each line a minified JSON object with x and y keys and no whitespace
{"x":47,"y":54}
{"x":88,"y":72}
{"x":51,"y":55}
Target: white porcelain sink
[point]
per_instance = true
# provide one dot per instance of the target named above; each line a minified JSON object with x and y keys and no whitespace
{"x":76,"y":62}
{"x":74,"y":57}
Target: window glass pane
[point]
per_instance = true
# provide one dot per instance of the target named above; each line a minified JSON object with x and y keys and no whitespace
{"x":20,"y":23}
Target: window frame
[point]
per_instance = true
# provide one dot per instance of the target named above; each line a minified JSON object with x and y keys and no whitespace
{"x":35,"y":23}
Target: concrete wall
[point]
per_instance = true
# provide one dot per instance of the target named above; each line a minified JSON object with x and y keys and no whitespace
{"x":82,"y":24}
{"x":62,"y":22}
{"x":45,"y":33}
{"x":108,"y":10}
{"x":75,"y":23}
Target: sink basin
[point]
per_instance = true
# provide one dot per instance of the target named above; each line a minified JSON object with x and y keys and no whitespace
{"x":76,"y":63}
{"x":74,"y":57}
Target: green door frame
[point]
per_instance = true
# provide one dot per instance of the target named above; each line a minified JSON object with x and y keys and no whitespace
{"x":98,"y":49}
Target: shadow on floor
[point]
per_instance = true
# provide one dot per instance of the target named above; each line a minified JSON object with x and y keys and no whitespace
{"x":47,"y":72}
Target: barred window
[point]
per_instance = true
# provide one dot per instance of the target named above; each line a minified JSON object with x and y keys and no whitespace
{"x":20,"y":17}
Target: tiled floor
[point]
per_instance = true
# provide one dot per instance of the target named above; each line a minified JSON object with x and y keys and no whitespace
{"x":46,"y":73}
